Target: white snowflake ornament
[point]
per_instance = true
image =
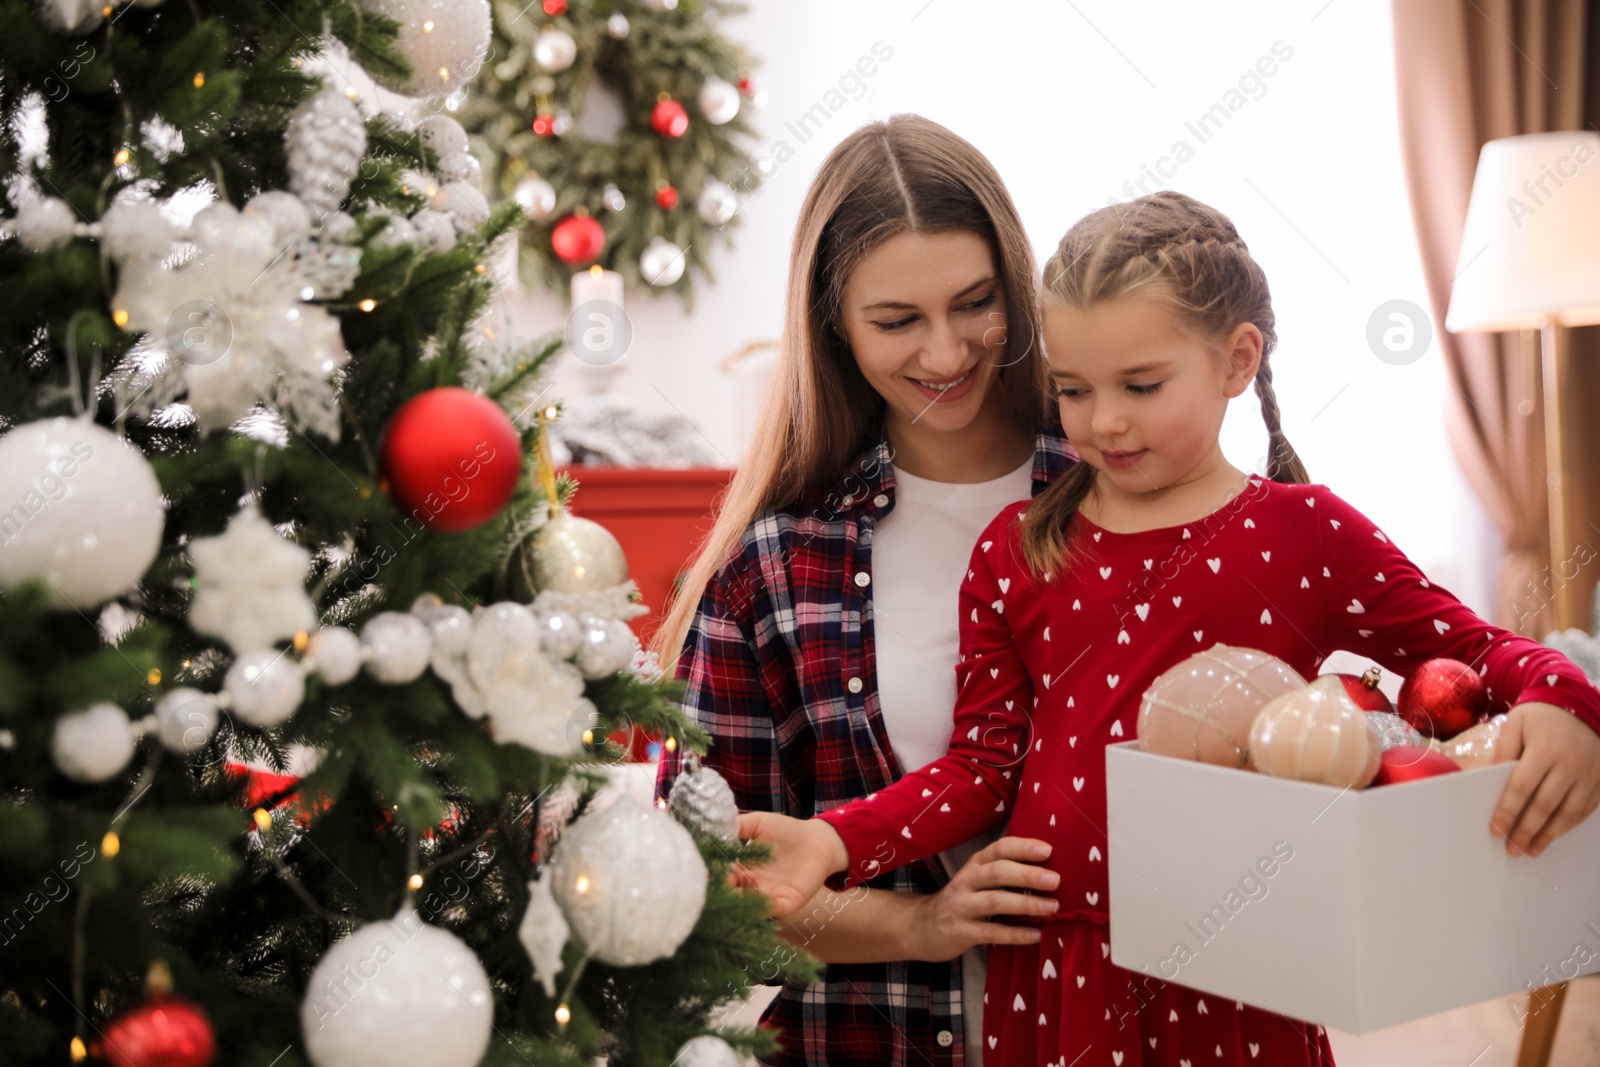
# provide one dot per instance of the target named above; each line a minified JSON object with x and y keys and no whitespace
{"x":251,"y":585}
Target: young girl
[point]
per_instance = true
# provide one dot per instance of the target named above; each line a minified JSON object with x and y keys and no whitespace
{"x":1154,"y":548}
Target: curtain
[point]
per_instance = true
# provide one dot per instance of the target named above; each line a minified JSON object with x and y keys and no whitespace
{"x":1470,"y":71}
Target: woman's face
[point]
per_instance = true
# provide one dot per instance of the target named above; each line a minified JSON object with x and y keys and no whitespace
{"x":925,"y":315}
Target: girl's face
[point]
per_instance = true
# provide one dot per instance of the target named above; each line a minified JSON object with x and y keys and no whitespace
{"x":1141,"y":398}
{"x":925,"y":316}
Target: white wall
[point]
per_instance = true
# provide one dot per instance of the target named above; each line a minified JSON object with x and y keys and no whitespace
{"x":1070,"y":100}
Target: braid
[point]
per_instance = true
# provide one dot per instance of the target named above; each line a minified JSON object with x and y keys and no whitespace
{"x":1283,"y":463}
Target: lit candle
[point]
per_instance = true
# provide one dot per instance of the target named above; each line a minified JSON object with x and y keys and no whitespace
{"x":597,"y":283}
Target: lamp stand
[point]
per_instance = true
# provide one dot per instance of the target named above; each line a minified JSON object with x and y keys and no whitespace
{"x":1555,"y":372}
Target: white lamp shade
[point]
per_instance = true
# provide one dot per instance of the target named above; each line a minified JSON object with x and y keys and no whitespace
{"x":1530,"y":252}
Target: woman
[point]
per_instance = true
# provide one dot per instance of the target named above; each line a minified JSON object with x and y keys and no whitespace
{"x":818,"y":623}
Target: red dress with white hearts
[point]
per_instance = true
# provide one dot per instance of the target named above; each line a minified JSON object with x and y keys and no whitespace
{"x":1052,"y":672}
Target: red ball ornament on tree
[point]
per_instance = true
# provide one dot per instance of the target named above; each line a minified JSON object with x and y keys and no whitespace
{"x":578,"y":239}
{"x":164,"y":1031}
{"x":555,"y":7}
{"x":451,"y":459}
{"x":666,"y":198}
{"x":544,"y":125}
{"x":1410,"y":763}
{"x":669,"y":118}
{"x":1443,"y":697}
{"x":1364,"y":691}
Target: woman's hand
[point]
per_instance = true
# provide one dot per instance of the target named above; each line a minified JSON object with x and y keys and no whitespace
{"x":1557,"y":780}
{"x":804,"y":853}
{"x":957,"y":917}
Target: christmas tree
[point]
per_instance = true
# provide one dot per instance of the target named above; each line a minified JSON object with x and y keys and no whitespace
{"x":272,"y":497}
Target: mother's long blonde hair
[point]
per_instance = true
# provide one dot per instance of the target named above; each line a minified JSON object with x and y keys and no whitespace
{"x":904,"y":175}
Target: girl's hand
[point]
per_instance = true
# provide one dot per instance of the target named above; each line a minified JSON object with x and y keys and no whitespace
{"x":804,"y":853}
{"x":957,"y":917}
{"x":1557,"y":780}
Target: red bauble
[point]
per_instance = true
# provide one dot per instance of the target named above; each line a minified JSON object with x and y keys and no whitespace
{"x":161,"y":1032}
{"x":1408,"y":763}
{"x":1364,"y":691}
{"x":578,"y":239}
{"x":555,"y":7}
{"x":544,"y":125}
{"x":1443,"y":697}
{"x":670,"y":119}
{"x":744,"y":84}
{"x":451,"y":458}
{"x":666,"y":198}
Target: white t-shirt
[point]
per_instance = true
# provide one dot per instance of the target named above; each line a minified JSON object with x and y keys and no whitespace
{"x":920,"y":552}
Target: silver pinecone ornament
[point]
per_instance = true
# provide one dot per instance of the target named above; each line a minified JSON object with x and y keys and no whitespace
{"x":325,"y":140}
{"x":702,"y":801}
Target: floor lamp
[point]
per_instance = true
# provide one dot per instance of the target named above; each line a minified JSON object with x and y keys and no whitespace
{"x":1530,"y":260}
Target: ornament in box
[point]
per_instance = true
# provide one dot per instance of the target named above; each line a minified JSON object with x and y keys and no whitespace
{"x":1203,"y":708}
{"x":1364,"y":691}
{"x":1411,"y":763}
{"x":1443,"y":697}
{"x":1317,"y":734}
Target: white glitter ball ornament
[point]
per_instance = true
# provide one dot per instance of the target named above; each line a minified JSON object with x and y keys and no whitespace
{"x":83,"y":511}
{"x":334,"y":653}
{"x":92,"y":745}
{"x":631,"y":882}
{"x":264,"y":687}
{"x":251,"y":585}
{"x":398,"y":992}
{"x":397,"y":647}
{"x":186,"y":719}
{"x":445,"y":42}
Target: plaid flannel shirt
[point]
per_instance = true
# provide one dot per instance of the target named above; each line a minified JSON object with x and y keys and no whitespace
{"x":781,"y":672}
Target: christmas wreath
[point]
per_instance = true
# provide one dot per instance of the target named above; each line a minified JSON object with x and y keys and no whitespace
{"x":648,"y":202}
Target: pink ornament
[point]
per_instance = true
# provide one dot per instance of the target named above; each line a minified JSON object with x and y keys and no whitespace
{"x":1317,"y":734}
{"x":1202,"y":708}
{"x":1475,"y":746}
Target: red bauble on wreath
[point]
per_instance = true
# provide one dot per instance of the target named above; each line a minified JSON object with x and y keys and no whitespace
{"x":666,"y":198}
{"x":669,"y":118}
{"x":1364,"y":690}
{"x":544,"y":124}
{"x":451,"y":459}
{"x":578,"y":239}
{"x":1443,"y":697}
{"x":164,"y":1031}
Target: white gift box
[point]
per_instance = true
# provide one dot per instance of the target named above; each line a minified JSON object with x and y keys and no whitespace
{"x":1353,"y":909}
